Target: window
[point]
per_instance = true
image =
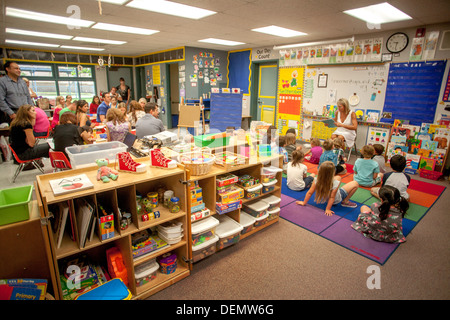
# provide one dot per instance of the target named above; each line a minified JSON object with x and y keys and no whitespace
{"x":50,"y":81}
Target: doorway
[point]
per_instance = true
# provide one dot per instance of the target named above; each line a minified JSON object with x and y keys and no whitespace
{"x":267,"y":92}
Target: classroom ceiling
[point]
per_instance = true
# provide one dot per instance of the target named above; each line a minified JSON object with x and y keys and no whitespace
{"x":320,"y":19}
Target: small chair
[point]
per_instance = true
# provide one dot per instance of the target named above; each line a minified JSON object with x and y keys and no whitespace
{"x":22,"y":164}
{"x":38,"y":139}
{"x":59,"y":161}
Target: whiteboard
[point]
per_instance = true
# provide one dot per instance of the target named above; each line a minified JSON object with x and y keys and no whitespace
{"x":368,"y":82}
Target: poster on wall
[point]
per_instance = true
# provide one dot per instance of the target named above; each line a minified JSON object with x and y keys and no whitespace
{"x":429,"y":48}
{"x":290,"y":95}
{"x":156,"y":71}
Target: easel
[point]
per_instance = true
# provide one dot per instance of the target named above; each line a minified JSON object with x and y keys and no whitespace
{"x":189,"y":114}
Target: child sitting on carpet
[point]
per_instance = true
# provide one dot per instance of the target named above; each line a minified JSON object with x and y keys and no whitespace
{"x":379,"y":158}
{"x":397,"y":178}
{"x":328,"y":154}
{"x":326,"y":185}
{"x":296,"y":172}
{"x":383,"y":221}
{"x":313,"y":154}
{"x":338,"y":149}
{"x":366,"y":171}
{"x":290,"y":145}
{"x":282,"y":151}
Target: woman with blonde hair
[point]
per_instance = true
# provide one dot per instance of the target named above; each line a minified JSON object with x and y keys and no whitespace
{"x":326,"y":186}
{"x":60,"y":104}
{"x":346,"y":123}
{"x":136,"y":112}
{"x":117,"y":126}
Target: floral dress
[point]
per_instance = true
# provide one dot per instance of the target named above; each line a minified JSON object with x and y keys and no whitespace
{"x":387,"y":230}
{"x":118,"y":131}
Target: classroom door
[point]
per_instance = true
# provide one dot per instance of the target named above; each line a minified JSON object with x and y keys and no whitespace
{"x":267,"y":92}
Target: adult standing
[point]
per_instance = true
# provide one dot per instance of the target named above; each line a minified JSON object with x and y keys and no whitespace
{"x":103,"y":107}
{"x":345,"y":120}
{"x":13,"y":92}
{"x":124,"y":91}
{"x":149,"y":124}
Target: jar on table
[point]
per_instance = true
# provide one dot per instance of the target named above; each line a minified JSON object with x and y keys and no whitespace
{"x":174,"y":205}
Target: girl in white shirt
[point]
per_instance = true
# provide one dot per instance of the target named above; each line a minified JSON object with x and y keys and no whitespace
{"x":327,"y":189}
{"x":296,"y":172}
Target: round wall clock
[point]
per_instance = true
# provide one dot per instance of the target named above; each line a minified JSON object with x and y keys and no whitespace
{"x":397,"y":42}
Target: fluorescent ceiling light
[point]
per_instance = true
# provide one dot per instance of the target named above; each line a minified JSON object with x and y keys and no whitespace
{"x":279,"y":31}
{"x":43,"y":17}
{"x":114,"y":1}
{"x":378,"y":13}
{"x":28,"y":43}
{"x":126,"y":29}
{"x":317,"y":43}
{"x":220,"y":41}
{"x":82,"y":48}
{"x":99,"y":40}
{"x":38,"y":34}
{"x":172,"y":8}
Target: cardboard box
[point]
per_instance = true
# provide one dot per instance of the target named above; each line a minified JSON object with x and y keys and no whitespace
{"x":234,"y":194}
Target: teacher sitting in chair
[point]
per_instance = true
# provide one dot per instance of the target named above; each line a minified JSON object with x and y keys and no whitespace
{"x":345,"y":120}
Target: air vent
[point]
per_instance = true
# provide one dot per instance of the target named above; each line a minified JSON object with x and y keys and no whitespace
{"x":445,"y":41}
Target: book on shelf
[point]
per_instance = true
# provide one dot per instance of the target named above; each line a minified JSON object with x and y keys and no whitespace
{"x":85,"y":221}
{"x":70,"y":184}
{"x":63,"y":212}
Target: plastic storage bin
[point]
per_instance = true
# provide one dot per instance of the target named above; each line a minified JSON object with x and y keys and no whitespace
{"x":205,"y":249}
{"x":256,"y":209}
{"x":146,"y":272}
{"x":272,"y":201}
{"x":262,"y":220}
{"x":85,"y":155}
{"x":269,"y":173}
{"x":247,"y":222}
{"x":269,"y":186}
{"x":274,"y":213}
{"x":203,"y":230}
{"x":228,"y":231}
{"x":253,"y":192}
{"x":15,"y":204}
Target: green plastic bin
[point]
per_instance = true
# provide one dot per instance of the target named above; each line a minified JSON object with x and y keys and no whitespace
{"x":207,"y":140}
{"x":15,"y":204}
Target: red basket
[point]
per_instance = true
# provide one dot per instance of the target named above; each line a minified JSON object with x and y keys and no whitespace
{"x":428,"y":174}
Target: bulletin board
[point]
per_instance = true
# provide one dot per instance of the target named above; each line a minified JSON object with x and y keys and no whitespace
{"x":415,"y":100}
{"x":290,"y":99}
{"x":324,"y":85}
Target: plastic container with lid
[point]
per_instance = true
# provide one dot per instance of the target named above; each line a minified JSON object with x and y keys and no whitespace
{"x":269,"y":186}
{"x":253,"y":191}
{"x":273,"y":201}
{"x":228,"y":231}
{"x":262,"y":220}
{"x":203,"y":230}
{"x":171,"y":227}
{"x":256,"y":209}
{"x":274,"y":213}
{"x":170,"y":238}
{"x":205,"y":249}
{"x":247,"y":222}
{"x":268,"y":174}
{"x":85,"y":155}
{"x":146,"y":272}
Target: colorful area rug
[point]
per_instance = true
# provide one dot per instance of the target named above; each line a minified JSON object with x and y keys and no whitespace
{"x":337,"y":228}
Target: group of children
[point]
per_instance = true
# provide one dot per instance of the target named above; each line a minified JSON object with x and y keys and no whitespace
{"x":382,"y":221}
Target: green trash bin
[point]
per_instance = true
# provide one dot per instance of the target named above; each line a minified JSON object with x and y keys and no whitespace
{"x":15,"y":204}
